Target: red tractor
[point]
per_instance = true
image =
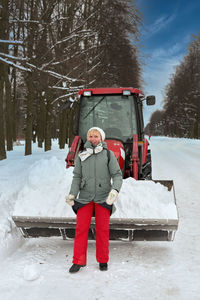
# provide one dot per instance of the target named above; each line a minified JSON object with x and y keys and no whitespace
{"x":118,"y":111}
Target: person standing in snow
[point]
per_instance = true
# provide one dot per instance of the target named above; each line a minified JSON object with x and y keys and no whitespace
{"x":92,"y":192}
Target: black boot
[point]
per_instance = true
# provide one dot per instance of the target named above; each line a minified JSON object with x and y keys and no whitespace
{"x":103,"y":266}
{"x":75,"y":268}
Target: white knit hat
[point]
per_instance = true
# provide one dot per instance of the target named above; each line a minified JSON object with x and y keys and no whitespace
{"x":102,"y":133}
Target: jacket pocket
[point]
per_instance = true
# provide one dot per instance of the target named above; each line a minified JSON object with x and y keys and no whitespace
{"x":104,"y":185}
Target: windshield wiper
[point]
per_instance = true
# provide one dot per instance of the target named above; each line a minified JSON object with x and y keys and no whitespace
{"x":94,"y":107}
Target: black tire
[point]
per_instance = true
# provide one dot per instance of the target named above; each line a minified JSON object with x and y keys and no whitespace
{"x":146,"y":168}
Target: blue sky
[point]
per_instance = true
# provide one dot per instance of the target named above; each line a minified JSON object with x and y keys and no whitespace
{"x":168,"y":26}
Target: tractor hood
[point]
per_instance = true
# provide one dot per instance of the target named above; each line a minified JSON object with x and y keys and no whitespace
{"x":117,"y":148}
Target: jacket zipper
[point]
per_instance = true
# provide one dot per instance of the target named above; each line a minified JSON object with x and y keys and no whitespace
{"x":95,"y":173}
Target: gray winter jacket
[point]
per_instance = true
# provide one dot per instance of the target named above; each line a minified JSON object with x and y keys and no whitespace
{"x":92,"y":177}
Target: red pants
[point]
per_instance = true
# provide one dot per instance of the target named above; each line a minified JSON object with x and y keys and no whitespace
{"x":102,"y":218}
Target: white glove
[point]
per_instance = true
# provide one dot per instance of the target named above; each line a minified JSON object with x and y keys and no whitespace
{"x":112,"y":197}
{"x":70,"y":199}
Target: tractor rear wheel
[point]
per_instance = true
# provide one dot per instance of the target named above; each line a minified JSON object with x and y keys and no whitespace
{"x":146,"y":168}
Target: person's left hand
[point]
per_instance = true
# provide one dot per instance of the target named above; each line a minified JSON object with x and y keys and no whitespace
{"x":112,"y":197}
{"x":70,"y":199}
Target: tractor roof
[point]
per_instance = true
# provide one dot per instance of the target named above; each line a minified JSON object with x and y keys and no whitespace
{"x":99,"y":91}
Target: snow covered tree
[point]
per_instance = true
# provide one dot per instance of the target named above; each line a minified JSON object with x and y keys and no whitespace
{"x":2,"y":133}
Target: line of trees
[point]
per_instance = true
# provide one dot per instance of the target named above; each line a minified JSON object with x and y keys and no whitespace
{"x":181,"y":114}
{"x":49,"y":49}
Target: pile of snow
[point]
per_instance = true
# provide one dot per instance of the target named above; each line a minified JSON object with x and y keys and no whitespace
{"x":44,"y":191}
{"x":31,"y":272}
{"x":15,"y":172}
{"x":145,"y":199}
{"x":48,"y":182}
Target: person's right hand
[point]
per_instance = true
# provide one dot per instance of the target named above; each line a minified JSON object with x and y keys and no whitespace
{"x":112,"y":197}
{"x":70,"y":199}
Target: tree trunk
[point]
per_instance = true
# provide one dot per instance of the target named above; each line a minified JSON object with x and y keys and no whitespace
{"x":71,"y":126}
{"x":62,"y":129}
{"x":40,"y":121}
{"x":31,"y":33}
{"x":13,"y":107}
{"x":47,"y":141}
{"x":3,"y":35}
{"x":2,"y":137}
{"x":9,"y":116}
{"x":29,"y":115}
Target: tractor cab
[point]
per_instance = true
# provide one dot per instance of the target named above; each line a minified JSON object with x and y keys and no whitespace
{"x":118,"y":111}
{"x":114,"y":113}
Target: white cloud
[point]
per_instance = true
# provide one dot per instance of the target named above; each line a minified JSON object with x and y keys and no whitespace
{"x":159,"y":24}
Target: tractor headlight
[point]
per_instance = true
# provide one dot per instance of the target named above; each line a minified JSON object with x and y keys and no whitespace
{"x":87,"y":93}
{"x":126,"y":93}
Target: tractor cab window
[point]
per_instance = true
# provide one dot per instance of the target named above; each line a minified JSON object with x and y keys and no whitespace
{"x":115,"y":114}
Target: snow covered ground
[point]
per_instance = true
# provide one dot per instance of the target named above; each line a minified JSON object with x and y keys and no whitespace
{"x":38,"y":268}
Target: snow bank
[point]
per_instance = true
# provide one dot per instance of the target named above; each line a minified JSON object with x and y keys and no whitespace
{"x":15,"y":174}
{"x":9,"y":235}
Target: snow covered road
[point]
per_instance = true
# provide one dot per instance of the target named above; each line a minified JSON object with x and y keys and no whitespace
{"x":38,"y":268}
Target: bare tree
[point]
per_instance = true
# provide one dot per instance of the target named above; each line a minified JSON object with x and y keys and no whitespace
{"x":58,"y":47}
{"x":181,"y":116}
{"x":3,"y":46}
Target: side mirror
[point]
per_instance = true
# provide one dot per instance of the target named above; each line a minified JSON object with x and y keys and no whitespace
{"x":150,"y":100}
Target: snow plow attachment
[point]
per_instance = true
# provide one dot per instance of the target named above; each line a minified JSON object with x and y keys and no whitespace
{"x":125,"y":229}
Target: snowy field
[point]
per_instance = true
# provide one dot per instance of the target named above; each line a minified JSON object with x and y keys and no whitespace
{"x":38,"y":268}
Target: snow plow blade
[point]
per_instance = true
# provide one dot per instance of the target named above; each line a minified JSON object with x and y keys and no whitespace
{"x":125,"y":229}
